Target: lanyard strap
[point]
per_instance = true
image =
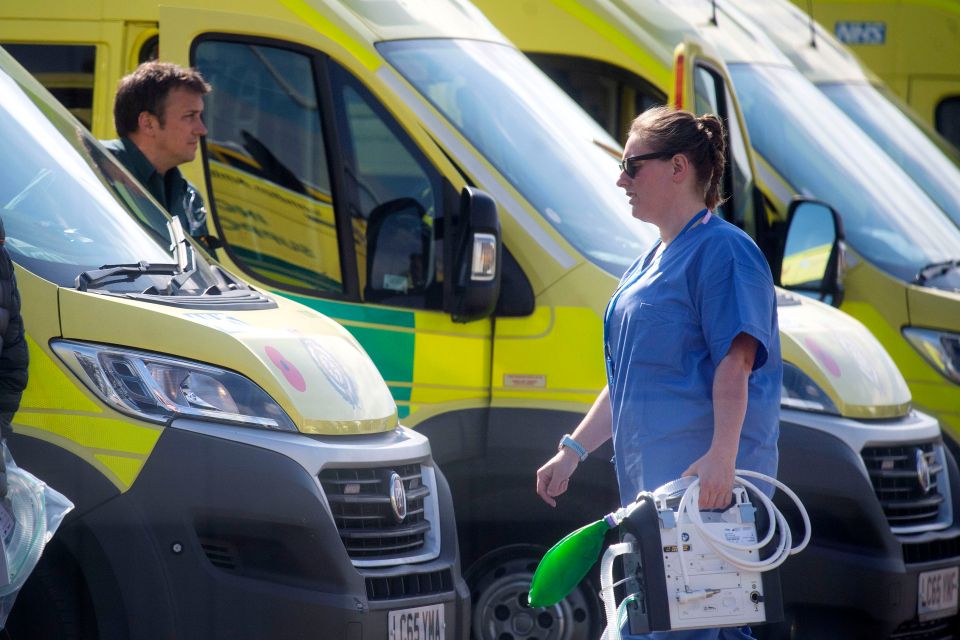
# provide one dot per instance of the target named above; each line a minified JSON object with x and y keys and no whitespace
{"x":704,"y":215}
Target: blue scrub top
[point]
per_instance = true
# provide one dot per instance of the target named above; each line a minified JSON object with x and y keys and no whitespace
{"x":667,"y":327}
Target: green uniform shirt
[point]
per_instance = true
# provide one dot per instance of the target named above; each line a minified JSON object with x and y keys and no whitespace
{"x":178,"y":197}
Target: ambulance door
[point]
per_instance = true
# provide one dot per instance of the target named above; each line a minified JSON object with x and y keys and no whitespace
{"x":319,"y":192}
{"x":702,"y":85}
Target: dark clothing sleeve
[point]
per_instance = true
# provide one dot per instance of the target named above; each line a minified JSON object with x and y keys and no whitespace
{"x":14,"y":357}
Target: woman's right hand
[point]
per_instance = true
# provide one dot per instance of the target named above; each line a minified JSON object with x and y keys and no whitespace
{"x":552,"y":478}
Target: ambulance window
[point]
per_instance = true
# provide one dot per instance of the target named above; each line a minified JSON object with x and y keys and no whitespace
{"x":947,"y":119}
{"x":711,"y":96}
{"x":65,"y":70}
{"x":610,"y":94}
{"x":394,"y":199}
{"x":150,"y":50}
{"x":266,"y":155}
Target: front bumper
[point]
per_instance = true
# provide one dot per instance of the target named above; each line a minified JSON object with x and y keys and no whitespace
{"x":226,"y":533}
{"x":856,"y":566}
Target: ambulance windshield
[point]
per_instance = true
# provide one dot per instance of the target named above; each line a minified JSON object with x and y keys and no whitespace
{"x":819,"y":152}
{"x":545,"y":145}
{"x":904,"y":141}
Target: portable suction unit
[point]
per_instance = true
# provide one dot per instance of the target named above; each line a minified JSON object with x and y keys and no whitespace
{"x":684,"y":569}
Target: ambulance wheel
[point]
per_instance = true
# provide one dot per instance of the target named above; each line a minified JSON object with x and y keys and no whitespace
{"x":499,"y":583}
{"x":53,"y":603}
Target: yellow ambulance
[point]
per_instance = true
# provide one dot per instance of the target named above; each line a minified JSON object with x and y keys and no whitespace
{"x":340,"y":137}
{"x":903,"y":276}
{"x":913,"y":45}
{"x":235,"y":458}
{"x":614,"y":57}
{"x":932,"y":162}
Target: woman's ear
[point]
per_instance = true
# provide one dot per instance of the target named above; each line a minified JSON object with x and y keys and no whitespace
{"x":681,"y":166}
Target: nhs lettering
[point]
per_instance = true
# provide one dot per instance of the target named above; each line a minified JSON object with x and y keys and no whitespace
{"x":861,"y":32}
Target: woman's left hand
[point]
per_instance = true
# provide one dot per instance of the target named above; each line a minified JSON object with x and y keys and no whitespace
{"x":716,"y":472}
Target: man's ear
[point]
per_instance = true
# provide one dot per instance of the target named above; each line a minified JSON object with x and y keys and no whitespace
{"x":147,"y":123}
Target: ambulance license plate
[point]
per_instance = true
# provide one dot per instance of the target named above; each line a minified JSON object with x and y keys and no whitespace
{"x":937,"y":593}
{"x":420,"y":623}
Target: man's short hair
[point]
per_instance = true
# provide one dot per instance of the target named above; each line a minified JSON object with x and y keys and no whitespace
{"x":146,"y":89}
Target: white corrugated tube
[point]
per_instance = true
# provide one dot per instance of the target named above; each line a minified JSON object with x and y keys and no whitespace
{"x":726,"y":549}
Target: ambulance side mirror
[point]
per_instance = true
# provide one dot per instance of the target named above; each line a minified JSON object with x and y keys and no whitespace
{"x":476,"y":258}
{"x":813,"y":254}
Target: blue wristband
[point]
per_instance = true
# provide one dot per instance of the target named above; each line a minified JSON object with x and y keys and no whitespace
{"x":568,"y":441}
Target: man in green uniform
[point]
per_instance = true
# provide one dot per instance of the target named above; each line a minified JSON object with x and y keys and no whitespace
{"x":158,"y":116}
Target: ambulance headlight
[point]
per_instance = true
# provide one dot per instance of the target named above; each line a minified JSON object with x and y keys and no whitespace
{"x":799,"y":391}
{"x":160,"y":388}
{"x":939,"y":348}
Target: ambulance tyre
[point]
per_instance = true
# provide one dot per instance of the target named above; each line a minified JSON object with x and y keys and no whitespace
{"x":53,"y":603}
{"x":499,"y":582}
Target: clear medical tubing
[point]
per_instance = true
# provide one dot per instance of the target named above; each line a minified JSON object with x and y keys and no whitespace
{"x":606,"y":587}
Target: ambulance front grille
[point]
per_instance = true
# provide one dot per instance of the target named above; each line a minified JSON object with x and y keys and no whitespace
{"x":361,"y":504}
{"x":931,"y":550}
{"x":409,"y":585}
{"x":911,"y":484}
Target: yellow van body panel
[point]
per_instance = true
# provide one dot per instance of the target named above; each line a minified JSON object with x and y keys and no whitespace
{"x":443,"y":380}
{"x":321,"y":23}
{"x":555,"y":355}
{"x":925,"y":93}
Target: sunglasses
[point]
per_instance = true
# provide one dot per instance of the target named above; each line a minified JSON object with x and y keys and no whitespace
{"x":630,"y":165}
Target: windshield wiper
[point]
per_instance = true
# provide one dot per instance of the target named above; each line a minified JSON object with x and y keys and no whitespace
{"x":935,"y":269}
{"x":94,"y":277}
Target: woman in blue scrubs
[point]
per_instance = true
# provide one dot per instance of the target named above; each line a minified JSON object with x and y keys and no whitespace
{"x":690,"y":336}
